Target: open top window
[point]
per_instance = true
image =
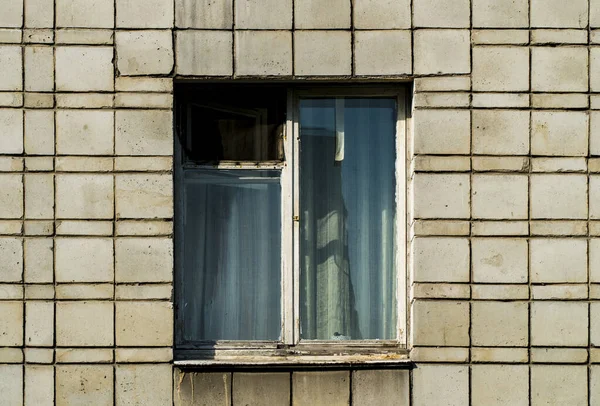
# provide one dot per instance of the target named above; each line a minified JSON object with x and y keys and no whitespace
{"x":290,"y":226}
{"x":241,"y":124}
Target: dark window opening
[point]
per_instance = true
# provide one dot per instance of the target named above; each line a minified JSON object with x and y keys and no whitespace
{"x":242,"y":123}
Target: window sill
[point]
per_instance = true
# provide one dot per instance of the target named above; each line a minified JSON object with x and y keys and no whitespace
{"x":398,"y":359}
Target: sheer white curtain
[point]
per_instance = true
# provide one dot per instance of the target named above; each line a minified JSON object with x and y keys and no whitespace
{"x":348,"y":280}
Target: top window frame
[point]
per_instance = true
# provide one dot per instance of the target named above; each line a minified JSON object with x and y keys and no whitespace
{"x":291,"y":349}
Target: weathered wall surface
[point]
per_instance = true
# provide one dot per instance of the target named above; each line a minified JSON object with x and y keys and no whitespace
{"x":504,"y":190}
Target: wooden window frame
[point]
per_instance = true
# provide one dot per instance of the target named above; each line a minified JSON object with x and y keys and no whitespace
{"x":290,"y":350}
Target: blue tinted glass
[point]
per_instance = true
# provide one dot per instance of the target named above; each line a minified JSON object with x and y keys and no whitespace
{"x":347,"y":218}
{"x":232,"y":237}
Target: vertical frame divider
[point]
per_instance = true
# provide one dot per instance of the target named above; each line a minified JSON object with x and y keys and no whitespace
{"x":287,"y":226}
{"x":295,"y":137}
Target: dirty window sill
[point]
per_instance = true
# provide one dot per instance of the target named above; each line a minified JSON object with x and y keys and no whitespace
{"x":396,"y":359}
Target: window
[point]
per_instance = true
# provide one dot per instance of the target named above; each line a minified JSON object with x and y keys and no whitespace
{"x":290,"y":220}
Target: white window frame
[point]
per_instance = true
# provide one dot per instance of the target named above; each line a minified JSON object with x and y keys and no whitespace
{"x":290,"y":349}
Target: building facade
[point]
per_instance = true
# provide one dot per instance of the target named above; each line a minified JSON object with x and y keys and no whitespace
{"x":498,"y":248}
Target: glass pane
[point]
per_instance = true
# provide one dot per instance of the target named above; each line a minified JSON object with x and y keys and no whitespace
{"x":232,"y":243}
{"x":245,"y":124}
{"x":347,"y":218}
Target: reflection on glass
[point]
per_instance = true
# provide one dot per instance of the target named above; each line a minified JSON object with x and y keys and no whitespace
{"x":347,"y":217}
{"x":232,"y":278}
